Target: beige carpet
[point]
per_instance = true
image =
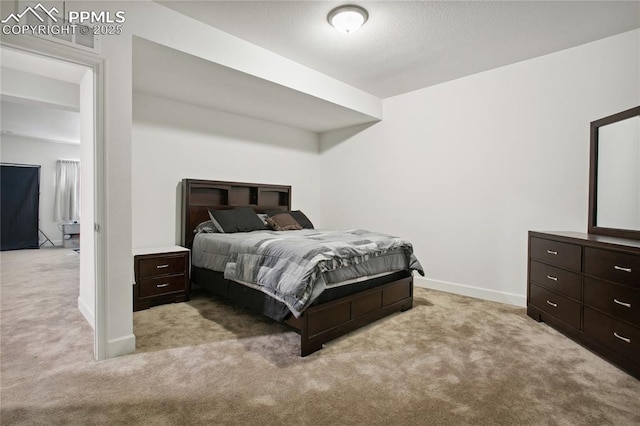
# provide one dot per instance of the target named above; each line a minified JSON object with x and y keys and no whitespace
{"x":449,"y":360}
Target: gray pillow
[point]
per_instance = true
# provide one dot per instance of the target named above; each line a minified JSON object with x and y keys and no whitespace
{"x":241,"y":219}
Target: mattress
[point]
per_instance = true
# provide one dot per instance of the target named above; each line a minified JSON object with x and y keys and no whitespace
{"x":213,"y":250}
{"x":295,"y":267}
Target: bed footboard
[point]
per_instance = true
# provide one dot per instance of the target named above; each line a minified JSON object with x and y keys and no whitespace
{"x":322,"y":323}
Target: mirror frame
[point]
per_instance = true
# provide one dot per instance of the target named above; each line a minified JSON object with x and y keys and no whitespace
{"x":593,"y":177}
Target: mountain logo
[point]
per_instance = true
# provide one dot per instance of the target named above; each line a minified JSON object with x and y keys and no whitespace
{"x":38,"y":10}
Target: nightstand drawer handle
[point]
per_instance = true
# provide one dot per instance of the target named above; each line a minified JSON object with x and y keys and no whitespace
{"x":555,"y":305}
{"x":162,"y":266}
{"x":162,"y":285}
{"x":624,"y":339}
{"x":628,"y":305}
{"x":552,"y":278}
{"x":555,"y":253}
{"x":620,"y":268}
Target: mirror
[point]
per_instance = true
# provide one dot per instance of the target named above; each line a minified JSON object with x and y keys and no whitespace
{"x":614,"y":176}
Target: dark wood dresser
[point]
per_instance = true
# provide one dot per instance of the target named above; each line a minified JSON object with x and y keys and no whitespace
{"x":161,"y":276}
{"x":588,"y":287}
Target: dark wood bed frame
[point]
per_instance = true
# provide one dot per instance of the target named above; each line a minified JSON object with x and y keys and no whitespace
{"x":319,"y":323}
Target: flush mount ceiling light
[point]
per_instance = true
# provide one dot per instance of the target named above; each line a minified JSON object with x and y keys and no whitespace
{"x":347,"y":18}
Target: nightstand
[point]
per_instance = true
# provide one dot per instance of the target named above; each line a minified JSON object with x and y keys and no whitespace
{"x":71,"y":235}
{"x":161,"y":276}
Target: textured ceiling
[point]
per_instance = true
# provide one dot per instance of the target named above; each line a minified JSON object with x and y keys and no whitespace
{"x":407,"y":45}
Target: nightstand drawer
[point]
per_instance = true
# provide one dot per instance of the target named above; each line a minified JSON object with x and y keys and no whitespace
{"x":556,"y":279}
{"x":552,"y":303}
{"x":613,"y":266}
{"x":162,"y":265}
{"x":564,"y":255}
{"x":618,"y":301}
{"x":622,"y":337}
{"x":162,"y":285}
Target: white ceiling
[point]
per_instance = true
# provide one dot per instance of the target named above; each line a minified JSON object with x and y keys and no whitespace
{"x":407,"y":45}
{"x":404,"y":46}
{"x":23,"y":115}
{"x":157,"y":68}
{"x":39,"y":122}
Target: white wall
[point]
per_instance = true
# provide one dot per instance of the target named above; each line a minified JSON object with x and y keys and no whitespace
{"x":464,"y":169}
{"x":33,"y":151}
{"x":172,"y":141}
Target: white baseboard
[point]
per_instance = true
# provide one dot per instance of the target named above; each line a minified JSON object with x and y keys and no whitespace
{"x":471,"y":291}
{"x":116,"y":347}
{"x":87,"y":312}
{"x":121,"y":346}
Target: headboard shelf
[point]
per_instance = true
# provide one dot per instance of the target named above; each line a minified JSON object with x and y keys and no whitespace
{"x":206,"y":196}
{"x":273,"y":196}
{"x":200,"y":196}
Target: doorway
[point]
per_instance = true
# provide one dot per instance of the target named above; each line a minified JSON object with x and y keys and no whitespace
{"x":75,"y":96}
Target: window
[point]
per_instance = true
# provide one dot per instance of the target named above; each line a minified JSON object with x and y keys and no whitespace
{"x":67,"y":203}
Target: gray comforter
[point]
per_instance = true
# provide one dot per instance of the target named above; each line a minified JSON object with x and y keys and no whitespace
{"x":294,"y":267}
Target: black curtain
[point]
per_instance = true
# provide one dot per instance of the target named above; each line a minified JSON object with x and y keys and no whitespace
{"x":19,"y":206}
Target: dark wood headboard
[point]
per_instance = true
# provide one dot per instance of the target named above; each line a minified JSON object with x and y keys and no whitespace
{"x":199,"y":196}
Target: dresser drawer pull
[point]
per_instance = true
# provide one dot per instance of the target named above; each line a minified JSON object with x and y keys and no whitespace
{"x":624,"y":339}
{"x":162,"y":285}
{"x":162,"y":266}
{"x":620,"y":268}
{"x":555,"y":253}
{"x":628,"y":305}
{"x":555,"y":305}
{"x":552,"y":278}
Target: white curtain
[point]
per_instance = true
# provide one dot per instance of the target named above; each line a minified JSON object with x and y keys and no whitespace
{"x":67,"y":204}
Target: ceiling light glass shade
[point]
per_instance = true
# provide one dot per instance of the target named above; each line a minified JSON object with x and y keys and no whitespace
{"x":347,"y":19}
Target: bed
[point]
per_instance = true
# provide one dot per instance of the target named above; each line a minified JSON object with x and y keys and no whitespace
{"x":319,"y":307}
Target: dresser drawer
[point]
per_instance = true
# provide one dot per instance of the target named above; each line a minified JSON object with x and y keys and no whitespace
{"x":618,"y":301}
{"x":162,"y":265}
{"x":162,"y":285}
{"x":564,"y":255}
{"x":556,"y":279}
{"x":613,"y":266}
{"x":621,"y":337}
{"x":552,"y":303}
